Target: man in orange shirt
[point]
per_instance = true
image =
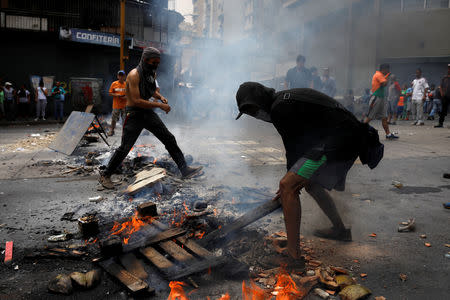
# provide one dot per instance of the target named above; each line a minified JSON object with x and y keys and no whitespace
{"x":117,"y":90}
{"x":378,"y":103}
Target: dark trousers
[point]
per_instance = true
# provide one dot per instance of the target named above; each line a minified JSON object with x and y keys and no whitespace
{"x":23,"y":110}
{"x":10,"y":111}
{"x":445,"y":103}
{"x":135,"y":121}
{"x":59,"y":109}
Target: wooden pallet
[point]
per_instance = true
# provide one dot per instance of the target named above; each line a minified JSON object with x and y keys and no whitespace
{"x":173,"y":255}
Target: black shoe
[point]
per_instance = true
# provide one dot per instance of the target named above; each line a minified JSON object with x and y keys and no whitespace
{"x":439,"y":126}
{"x":334,"y":233}
{"x":391,"y":136}
{"x":446,"y":175}
{"x":191,"y":172}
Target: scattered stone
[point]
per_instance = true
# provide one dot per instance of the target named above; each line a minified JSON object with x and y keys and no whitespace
{"x":427,"y":245}
{"x":310,"y":273}
{"x":93,"y":278}
{"x":200,"y":205}
{"x":344,"y":280}
{"x":423,"y":236}
{"x":373,"y":235}
{"x":354,"y":292}
{"x":321,"y":293}
{"x":79,"y":279}
{"x":397,"y":184}
{"x":403,"y":277}
{"x":147,"y":209}
{"x":407,"y":226}
{"x":380,"y":298}
{"x":88,"y":225}
{"x":61,"y":284}
{"x":60,"y":237}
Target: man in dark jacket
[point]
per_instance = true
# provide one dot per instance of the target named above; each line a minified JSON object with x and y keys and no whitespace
{"x":322,"y":140}
{"x":140,"y":87}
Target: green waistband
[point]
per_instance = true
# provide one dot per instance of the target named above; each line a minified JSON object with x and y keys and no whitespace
{"x":311,"y":166}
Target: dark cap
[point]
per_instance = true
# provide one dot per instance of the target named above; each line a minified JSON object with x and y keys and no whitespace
{"x":121,"y":72}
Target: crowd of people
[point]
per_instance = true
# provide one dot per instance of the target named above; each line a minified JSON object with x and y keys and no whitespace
{"x":386,"y":100}
{"x":17,"y":102}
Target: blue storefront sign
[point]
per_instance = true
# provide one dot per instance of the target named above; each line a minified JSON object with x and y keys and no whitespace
{"x":88,"y":36}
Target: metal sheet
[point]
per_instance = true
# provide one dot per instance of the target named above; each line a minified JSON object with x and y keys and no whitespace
{"x":72,"y":132}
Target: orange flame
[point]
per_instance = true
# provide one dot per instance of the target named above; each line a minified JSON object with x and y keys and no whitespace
{"x":253,"y":292}
{"x":90,"y":243}
{"x":176,"y":291}
{"x":285,"y":288}
{"x":225,"y":297}
{"x":181,"y":215}
{"x":154,"y":161}
{"x":200,"y":234}
{"x":129,"y":227}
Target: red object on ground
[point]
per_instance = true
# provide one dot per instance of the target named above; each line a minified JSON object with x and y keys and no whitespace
{"x":8,"y":251}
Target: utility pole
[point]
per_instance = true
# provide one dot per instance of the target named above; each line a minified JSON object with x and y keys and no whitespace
{"x":122,"y":34}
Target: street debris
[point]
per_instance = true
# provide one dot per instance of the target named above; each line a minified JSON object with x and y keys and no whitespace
{"x":88,"y":225}
{"x":427,"y":245}
{"x":403,"y":277}
{"x":8,"y":252}
{"x":68,"y":216}
{"x":407,"y":226}
{"x":86,"y":280}
{"x":60,"y":237}
{"x":373,"y":235}
{"x":380,"y":298}
{"x":423,"y":236}
{"x":31,"y":143}
{"x":397,"y":184}
{"x":61,"y":284}
{"x":96,"y":199}
{"x":354,"y":292}
{"x":321,"y":293}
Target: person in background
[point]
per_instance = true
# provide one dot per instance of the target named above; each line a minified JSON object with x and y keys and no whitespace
{"x":58,"y":94}
{"x":41,"y":101}
{"x":349,"y":101}
{"x":419,"y":94}
{"x":428,"y":104}
{"x":394,"y":91}
{"x":316,"y":81}
{"x":328,"y":83}
{"x":408,"y":102}
{"x":23,"y":102}
{"x":401,"y":111}
{"x":445,"y":97}
{"x":299,"y":76}
{"x":2,"y":100}
{"x":117,"y":91}
{"x":377,"y":104}
{"x":10,"y":100}
{"x":437,"y":104}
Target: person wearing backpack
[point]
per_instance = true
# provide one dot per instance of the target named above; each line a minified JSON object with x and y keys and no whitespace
{"x":445,"y":97}
{"x":322,"y":140}
{"x":41,"y":101}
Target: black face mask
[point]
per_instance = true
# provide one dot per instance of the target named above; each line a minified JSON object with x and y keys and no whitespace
{"x":149,"y":67}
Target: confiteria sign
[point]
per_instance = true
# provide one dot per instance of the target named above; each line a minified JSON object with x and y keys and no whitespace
{"x":87,"y":36}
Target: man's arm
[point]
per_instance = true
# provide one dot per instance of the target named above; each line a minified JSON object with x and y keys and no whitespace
{"x":157,"y":95}
{"x":134,"y":97}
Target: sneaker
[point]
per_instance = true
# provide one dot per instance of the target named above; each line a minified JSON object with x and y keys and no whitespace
{"x":106,"y":182}
{"x":191,"y":172}
{"x":420,"y":123}
{"x":415,"y":123}
{"x":335,"y":234}
{"x":446,"y":175}
{"x":37,"y":119}
{"x":439,"y":125}
{"x":446,"y":205}
{"x":43,"y":119}
{"x":391,"y":136}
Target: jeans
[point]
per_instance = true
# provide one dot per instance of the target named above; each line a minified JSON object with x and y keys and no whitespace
{"x":428,"y":104}
{"x":41,"y":104}
{"x":59,"y":109}
{"x":417,"y":109}
{"x":136,"y":120}
{"x":437,"y":107}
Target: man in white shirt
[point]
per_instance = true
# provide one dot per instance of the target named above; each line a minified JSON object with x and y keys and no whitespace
{"x":420,"y":89}
{"x":41,"y":101}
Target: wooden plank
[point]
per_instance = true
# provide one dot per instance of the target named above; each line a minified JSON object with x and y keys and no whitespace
{"x":248,"y":218}
{"x":165,"y":235}
{"x":176,"y":251}
{"x":133,"y":283}
{"x":133,"y":265}
{"x":196,"y":267}
{"x":148,"y":173}
{"x":72,"y":132}
{"x":156,"y":258}
{"x":194,"y":247}
{"x":140,"y":238}
{"x":134,"y":188}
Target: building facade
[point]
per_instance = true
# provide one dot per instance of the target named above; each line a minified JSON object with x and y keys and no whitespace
{"x":80,"y":38}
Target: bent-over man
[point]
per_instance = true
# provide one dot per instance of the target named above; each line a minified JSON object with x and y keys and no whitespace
{"x":322,"y":140}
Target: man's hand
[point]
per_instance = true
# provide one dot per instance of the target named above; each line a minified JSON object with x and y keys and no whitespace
{"x":164,"y":100}
{"x":165,"y":107}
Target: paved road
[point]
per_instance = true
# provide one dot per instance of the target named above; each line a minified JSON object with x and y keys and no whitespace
{"x":250,"y":153}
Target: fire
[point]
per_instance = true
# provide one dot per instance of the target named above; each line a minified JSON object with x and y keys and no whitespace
{"x":200,"y":234}
{"x":89,"y":243}
{"x":154,"y":161}
{"x":253,"y":292}
{"x":285,"y":288}
{"x":180,"y":215}
{"x":176,"y":291}
{"x":92,"y":127}
{"x":225,"y":297}
{"x":129,"y":227}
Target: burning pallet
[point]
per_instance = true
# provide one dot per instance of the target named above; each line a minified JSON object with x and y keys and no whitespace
{"x":173,"y":255}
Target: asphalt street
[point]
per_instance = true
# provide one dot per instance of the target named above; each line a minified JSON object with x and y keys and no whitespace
{"x":33,"y":199}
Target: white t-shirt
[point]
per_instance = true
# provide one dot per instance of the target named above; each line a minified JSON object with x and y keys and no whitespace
{"x":24,"y":99}
{"x":419,"y":85}
{"x":41,"y":95}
